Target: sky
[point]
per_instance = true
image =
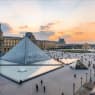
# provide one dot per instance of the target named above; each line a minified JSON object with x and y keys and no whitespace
{"x":73,"y":20}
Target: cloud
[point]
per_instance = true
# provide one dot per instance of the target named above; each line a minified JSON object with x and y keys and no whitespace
{"x":44,"y":28}
{"x":42,"y":35}
{"x":6,"y":27}
{"x":51,"y":25}
{"x":67,"y":36}
{"x":78,"y":33}
{"x":83,"y":32}
{"x":47,"y":26}
{"x":8,"y":30}
{"x":23,"y":27}
{"x":56,"y":36}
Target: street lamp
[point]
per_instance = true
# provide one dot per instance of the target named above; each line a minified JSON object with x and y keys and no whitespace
{"x":82,"y":58}
{"x":90,"y":76}
{"x":86,"y":76}
{"x":94,"y":72}
{"x":73,"y":88}
{"x":89,"y":64}
{"x":94,"y":69}
{"x":81,"y":81}
{"x":74,"y":84}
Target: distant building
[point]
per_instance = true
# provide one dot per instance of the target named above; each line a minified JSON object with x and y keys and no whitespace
{"x":7,"y":42}
{"x":84,"y":46}
{"x":61,"y":43}
{"x":73,"y":46}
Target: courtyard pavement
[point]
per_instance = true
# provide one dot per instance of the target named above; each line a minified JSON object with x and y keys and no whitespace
{"x":56,"y":82}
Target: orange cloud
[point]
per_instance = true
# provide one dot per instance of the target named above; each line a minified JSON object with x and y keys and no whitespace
{"x":56,"y":36}
{"x":84,"y":32}
{"x":51,"y":26}
{"x":6,"y":28}
{"x":23,"y":27}
{"x":81,"y":33}
{"x":86,"y":36}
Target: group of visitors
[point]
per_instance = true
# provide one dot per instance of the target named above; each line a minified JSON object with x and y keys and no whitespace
{"x":40,"y":85}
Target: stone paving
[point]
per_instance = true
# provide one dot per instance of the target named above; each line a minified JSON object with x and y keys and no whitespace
{"x":85,"y":90}
{"x":56,"y":82}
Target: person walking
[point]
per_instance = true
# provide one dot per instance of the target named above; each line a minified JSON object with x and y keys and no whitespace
{"x":20,"y":82}
{"x":41,"y":82}
{"x":62,"y":93}
{"x":37,"y":88}
{"x":44,"y":88}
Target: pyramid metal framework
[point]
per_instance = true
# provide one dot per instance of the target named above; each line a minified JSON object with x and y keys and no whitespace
{"x":26,"y":61}
{"x":25,"y":52}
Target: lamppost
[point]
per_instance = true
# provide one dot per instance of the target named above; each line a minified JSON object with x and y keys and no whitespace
{"x":94,"y":69}
{"x":62,"y":54}
{"x":89,"y":64}
{"x":74,"y":84}
{"x":94,"y":72}
{"x":81,"y":81}
{"x":86,"y":76}
{"x":81,"y":58}
{"x":90,"y":76}
{"x":73,"y":88}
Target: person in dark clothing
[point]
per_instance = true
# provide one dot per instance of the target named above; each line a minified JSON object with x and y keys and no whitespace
{"x":37,"y":88}
{"x":41,"y":82}
{"x":75,"y":75}
{"x":20,"y":82}
{"x":44,"y":88}
{"x":62,"y":93}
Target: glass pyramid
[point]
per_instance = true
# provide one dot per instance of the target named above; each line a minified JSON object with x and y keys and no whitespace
{"x":26,"y":61}
{"x":25,"y":52}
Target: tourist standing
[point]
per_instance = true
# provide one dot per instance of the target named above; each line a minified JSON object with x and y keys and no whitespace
{"x":62,"y":93}
{"x":44,"y":88}
{"x":37,"y":88}
{"x":41,"y":82}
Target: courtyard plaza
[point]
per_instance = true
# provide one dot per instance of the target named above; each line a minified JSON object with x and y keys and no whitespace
{"x":57,"y":77}
{"x":58,"y":81}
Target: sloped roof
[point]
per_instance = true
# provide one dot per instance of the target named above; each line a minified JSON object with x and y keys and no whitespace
{"x":78,"y":65}
{"x":25,"y":52}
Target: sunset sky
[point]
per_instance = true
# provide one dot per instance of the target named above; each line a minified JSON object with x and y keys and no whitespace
{"x":73,"y":20}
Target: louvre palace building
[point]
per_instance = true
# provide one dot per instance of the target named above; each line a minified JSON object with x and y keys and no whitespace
{"x":7,"y":42}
